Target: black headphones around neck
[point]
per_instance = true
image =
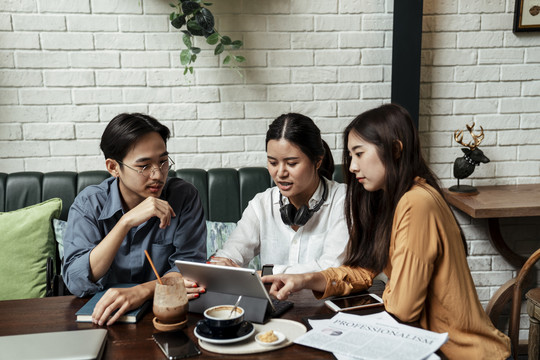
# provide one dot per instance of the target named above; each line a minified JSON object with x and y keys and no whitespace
{"x":300,"y":217}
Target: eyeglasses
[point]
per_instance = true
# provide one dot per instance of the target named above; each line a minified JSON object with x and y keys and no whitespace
{"x":148,"y":170}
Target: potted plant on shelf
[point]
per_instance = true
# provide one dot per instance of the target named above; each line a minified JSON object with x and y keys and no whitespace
{"x":194,"y":19}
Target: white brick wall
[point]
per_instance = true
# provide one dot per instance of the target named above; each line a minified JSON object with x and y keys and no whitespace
{"x":67,"y":67}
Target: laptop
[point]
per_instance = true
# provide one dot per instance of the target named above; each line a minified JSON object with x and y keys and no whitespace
{"x":224,"y":284}
{"x":61,"y":345}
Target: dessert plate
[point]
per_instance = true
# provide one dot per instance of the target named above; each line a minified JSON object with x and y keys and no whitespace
{"x":280,"y":337}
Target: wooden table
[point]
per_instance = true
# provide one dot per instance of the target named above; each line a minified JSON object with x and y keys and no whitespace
{"x":493,"y":203}
{"x":134,"y":341}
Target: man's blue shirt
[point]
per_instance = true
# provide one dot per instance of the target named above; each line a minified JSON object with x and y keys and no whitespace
{"x":95,"y":212}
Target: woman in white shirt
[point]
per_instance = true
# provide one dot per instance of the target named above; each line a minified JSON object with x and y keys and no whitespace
{"x":299,"y":225}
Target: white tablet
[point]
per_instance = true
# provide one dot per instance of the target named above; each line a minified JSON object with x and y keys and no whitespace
{"x":224,"y":284}
{"x":224,"y":279}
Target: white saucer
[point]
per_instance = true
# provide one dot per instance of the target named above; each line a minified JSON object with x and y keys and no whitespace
{"x":224,"y":341}
{"x":280,"y":338}
{"x":291,"y":329}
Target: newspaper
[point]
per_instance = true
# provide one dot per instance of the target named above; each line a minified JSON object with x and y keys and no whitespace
{"x":376,"y":336}
{"x":380,"y":316}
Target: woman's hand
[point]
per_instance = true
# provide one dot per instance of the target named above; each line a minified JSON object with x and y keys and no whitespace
{"x":285,"y":284}
{"x":215,"y":260}
{"x":193,"y":290}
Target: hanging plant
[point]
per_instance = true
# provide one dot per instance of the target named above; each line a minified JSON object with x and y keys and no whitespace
{"x":194,"y":19}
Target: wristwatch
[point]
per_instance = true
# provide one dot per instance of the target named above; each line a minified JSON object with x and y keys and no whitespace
{"x":267,"y":269}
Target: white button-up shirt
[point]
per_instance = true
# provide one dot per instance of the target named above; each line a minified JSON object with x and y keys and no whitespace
{"x":319,"y":244}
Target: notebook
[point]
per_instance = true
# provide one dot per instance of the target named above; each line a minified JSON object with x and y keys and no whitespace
{"x":85,"y":312}
{"x":61,"y":345}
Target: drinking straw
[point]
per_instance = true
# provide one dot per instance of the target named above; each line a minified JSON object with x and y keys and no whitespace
{"x":153,"y":267}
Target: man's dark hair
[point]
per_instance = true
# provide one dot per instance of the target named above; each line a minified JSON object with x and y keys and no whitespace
{"x":125,"y":130}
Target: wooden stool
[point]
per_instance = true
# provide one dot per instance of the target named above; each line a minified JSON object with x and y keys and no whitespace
{"x":533,"y":309}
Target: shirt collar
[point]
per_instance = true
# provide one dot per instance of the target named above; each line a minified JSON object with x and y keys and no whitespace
{"x":315,"y":198}
{"x":113,"y":203}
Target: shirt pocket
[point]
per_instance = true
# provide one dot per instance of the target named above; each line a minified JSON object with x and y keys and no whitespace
{"x":161,"y":237}
{"x":161,"y":254}
{"x":315,"y":246}
{"x":274,"y":249}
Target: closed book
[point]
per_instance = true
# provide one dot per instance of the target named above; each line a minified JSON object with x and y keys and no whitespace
{"x":85,"y":313}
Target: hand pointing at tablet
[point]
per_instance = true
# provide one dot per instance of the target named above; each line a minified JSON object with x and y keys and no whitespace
{"x":285,"y":284}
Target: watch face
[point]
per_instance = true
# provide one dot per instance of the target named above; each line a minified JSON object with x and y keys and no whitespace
{"x":267,"y":270}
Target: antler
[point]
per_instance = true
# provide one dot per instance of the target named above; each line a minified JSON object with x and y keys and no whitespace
{"x":458,"y":136}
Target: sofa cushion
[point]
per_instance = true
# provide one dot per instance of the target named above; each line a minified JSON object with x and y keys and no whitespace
{"x":59,"y":227}
{"x":27,"y":241}
{"x":217,"y":234}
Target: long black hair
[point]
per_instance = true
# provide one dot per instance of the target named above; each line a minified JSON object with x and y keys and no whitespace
{"x":370,"y":214}
{"x":124,"y":130}
{"x":302,"y":131}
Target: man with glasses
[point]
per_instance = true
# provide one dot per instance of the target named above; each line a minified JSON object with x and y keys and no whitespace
{"x":138,"y":209}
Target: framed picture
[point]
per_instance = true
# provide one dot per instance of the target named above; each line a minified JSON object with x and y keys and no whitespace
{"x":527,"y":15}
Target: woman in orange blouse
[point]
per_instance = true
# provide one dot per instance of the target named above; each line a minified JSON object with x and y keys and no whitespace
{"x":400,"y":224}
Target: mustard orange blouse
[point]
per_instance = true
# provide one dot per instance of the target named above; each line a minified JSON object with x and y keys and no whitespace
{"x":429,"y":278}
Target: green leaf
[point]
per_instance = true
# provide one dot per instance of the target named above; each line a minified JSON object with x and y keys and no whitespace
{"x":219,"y":49}
{"x":227,"y":59}
{"x":171,"y":16}
{"x":212,"y":39}
{"x":172,"y":5}
{"x":191,"y":69}
{"x":185,"y":70}
{"x":193,"y":58}
{"x":239,"y":58}
{"x":187,"y":40}
{"x":226,"y":40}
{"x":179,"y":21}
{"x":207,"y":4}
{"x":189,"y":7}
{"x":194,"y":28}
{"x":195,"y":50}
{"x":205,"y":19}
{"x":185,"y":57}
{"x":237,"y":44}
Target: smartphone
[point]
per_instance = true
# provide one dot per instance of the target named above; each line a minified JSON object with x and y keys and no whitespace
{"x":354,"y":302}
{"x":176,"y":345}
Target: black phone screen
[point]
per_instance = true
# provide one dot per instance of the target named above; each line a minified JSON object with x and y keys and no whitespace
{"x":176,"y":345}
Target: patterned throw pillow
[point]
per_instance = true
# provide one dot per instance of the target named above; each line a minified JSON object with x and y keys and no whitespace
{"x":59,"y":230}
{"x":217,"y":234}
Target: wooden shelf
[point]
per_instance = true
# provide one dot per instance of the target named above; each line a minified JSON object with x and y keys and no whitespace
{"x":499,"y":201}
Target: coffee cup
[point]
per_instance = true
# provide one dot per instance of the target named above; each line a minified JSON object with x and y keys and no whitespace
{"x":222,"y":321}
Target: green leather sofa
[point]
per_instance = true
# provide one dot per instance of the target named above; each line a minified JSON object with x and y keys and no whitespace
{"x":224,"y":193}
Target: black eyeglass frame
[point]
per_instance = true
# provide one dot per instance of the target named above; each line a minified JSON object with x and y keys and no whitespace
{"x":151,"y":167}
